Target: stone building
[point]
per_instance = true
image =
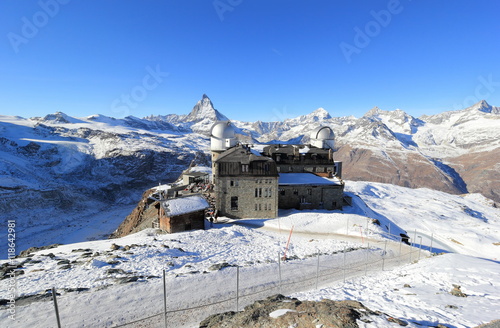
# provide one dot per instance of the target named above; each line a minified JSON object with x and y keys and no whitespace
{"x":316,"y":158}
{"x":182,"y":213}
{"x":249,"y":184}
{"x":309,"y":191}
{"x":246,"y":184}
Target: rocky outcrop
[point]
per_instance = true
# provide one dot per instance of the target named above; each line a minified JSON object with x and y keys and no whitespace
{"x":280,"y":311}
{"x":141,"y":217}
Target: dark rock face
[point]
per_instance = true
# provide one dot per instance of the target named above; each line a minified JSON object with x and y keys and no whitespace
{"x":279,"y":311}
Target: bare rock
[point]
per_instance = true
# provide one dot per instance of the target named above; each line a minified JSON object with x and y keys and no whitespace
{"x":296,"y":313}
{"x":456,"y":291}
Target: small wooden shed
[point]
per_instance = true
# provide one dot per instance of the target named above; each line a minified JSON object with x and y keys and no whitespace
{"x":183,"y":213}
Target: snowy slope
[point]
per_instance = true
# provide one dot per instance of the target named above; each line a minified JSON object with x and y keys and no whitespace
{"x":426,"y":301}
{"x":103,"y":268}
{"x":56,"y":172}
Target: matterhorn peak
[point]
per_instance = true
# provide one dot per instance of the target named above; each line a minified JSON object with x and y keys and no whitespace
{"x":204,"y":109}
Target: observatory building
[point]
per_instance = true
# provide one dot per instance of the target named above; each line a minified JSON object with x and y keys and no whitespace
{"x":251,"y":184}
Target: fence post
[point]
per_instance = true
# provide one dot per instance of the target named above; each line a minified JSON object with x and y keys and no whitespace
{"x":164,"y":298}
{"x":279,"y":271}
{"x":344,"y":264}
{"x":317,"y":272}
{"x":54,"y":297}
{"x":237,"y":288}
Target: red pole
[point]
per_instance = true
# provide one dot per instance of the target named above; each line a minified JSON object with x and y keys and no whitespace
{"x":288,"y":242}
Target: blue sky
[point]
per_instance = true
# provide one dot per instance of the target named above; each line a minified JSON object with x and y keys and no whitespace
{"x":257,"y":60}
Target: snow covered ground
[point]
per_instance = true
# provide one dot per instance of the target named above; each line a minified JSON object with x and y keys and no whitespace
{"x":124,"y":280}
{"x":427,"y":301}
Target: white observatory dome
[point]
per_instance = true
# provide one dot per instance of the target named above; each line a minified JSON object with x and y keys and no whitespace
{"x":222,"y":130}
{"x":322,"y":133}
{"x":222,"y":136}
{"x":323,"y":137}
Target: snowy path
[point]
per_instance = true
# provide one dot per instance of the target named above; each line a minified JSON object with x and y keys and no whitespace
{"x":121,"y":304}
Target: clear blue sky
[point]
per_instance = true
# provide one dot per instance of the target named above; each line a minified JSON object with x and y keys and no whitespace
{"x":256,"y":59}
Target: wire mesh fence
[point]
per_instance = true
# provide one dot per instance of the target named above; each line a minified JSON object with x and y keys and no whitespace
{"x":185,"y":301}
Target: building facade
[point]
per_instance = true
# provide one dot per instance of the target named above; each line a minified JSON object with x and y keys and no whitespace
{"x":246,"y":184}
{"x":249,"y":184}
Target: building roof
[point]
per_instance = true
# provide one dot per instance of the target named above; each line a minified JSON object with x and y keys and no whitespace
{"x":305,"y":179}
{"x":242,"y":154}
{"x":195,"y":174}
{"x":184,"y":205}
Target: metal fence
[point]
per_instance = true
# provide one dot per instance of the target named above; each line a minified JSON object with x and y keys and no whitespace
{"x":244,"y":285}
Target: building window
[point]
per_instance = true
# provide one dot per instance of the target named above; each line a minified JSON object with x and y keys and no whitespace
{"x":234,"y":183}
{"x":282,"y":191}
{"x":256,"y":207}
{"x":270,"y":192}
{"x":302,"y":199}
{"x":244,"y":168}
{"x":295,"y":192}
{"x":309,"y":191}
{"x":279,"y":169}
{"x":258,"y":192}
{"x":260,"y":207}
{"x":234,"y":203}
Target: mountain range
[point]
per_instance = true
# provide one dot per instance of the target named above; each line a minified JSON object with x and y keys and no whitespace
{"x":61,"y":169}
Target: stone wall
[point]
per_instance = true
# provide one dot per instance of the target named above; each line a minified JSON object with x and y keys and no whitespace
{"x":184,"y":222}
{"x":329,"y":197}
{"x":249,"y":206}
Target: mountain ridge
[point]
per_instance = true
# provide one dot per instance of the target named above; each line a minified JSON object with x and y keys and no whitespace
{"x":67,"y":167}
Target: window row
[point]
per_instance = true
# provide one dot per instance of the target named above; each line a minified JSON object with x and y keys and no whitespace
{"x":263,"y":207}
{"x":282,"y":191}
{"x":263,"y":192}
{"x":263,"y":181}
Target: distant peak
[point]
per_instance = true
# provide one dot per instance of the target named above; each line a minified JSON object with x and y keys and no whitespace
{"x":373,"y":112}
{"x":481,"y":106}
{"x":203,"y":109}
{"x":320,"y":113}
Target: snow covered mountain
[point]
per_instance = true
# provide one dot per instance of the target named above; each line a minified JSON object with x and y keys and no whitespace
{"x":58,"y":173}
{"x":69,"y":169}
{"x":199,"y":120}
